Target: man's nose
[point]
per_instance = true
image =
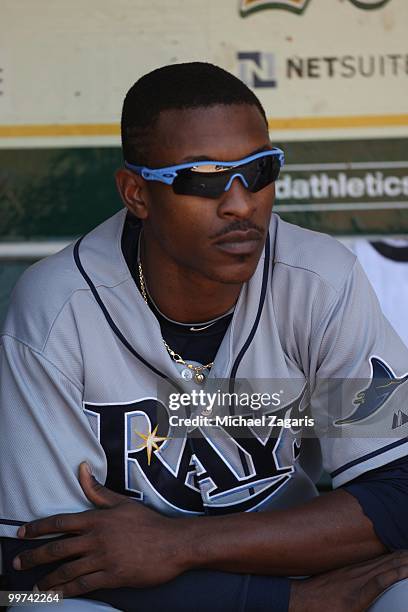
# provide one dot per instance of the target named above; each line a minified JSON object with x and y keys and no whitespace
{"x":237,"y":201}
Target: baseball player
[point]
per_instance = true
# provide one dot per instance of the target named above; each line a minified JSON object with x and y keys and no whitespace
{"x":118,"y":354}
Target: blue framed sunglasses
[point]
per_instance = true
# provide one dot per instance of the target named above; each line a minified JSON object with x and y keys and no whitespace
{"x":210,"y":179}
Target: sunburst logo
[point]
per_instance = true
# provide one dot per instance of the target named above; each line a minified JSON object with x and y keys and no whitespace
{"x":150,"y":442}
{"x":298,"y":6}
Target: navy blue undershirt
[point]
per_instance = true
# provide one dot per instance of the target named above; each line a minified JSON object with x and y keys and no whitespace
{"x":383,"y":496}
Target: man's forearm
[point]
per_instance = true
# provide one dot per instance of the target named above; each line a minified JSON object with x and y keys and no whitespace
{"x":109,"y":547}
{"x":328,"y":532}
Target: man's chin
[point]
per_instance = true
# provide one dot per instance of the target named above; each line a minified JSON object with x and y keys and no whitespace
{"x":232,"y":275}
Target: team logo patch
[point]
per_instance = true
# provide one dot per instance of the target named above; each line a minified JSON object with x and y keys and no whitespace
{"x":370,"y":400}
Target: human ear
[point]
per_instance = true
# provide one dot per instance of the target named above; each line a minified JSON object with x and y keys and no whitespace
{"x":131,"y":188}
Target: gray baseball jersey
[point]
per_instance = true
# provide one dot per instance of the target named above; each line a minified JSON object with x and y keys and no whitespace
{"x":85,"y":376}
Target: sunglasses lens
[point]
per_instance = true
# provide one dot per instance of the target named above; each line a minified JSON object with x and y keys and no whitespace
{"x":262,"y":172}
{"x":258,"y":174}
{"x":203,"y":184}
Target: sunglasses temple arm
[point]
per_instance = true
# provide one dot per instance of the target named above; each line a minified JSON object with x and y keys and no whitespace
{"x":164,"y":177}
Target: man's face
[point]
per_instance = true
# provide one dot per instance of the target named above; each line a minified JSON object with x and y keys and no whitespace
{"x":220,"y":239}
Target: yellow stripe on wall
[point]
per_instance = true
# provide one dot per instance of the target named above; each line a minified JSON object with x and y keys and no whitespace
{"x":79,"y":129}
{"x":289,"y":123}
{"x":321,"y":123}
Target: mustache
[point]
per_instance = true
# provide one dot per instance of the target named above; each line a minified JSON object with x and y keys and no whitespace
{"x":240,"y":225}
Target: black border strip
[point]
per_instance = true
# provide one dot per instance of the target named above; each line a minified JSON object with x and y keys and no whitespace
{"x":379,"y":451}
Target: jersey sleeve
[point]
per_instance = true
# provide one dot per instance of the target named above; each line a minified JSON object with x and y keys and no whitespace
{"x":360,"y":391}
{"x":44,"y":436}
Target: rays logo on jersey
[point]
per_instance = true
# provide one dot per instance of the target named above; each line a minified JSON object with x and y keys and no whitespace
{"x":370,"y":400}
{"x":230,"y":471}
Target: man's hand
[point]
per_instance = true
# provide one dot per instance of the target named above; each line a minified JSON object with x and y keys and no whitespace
{"x":349,"y":589}
{"x":109,"y":546}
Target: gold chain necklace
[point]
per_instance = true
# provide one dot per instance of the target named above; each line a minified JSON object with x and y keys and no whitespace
{"x":193,"y":370}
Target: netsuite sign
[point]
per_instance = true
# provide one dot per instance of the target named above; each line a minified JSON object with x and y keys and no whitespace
{"x":347,"y":66}
{"x":259,"y":69}
{"x":298,"y":6}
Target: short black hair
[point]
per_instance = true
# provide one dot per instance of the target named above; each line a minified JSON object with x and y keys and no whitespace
{"x":178,"y":86}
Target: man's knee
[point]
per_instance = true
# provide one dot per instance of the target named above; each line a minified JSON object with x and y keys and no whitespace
{"x":394,"y":599}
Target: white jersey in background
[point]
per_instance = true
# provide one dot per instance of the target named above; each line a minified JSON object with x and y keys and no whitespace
{"x":388,"y":273}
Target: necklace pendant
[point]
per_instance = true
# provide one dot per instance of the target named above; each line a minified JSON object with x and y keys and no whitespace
{"x":199,"y":378}
{"x":187,"y":374}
